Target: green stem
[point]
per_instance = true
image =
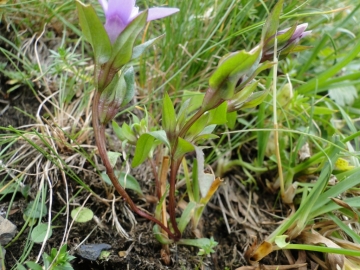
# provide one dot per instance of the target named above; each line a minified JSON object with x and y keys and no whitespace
{"x":174,"y":167}
{"x":99,"y":131}
{"x":188,"y":124}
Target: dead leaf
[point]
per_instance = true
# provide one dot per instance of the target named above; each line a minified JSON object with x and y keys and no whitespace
{"x":333,"y":261}
{"x":304,"y":152}
{"x":256,"y":253}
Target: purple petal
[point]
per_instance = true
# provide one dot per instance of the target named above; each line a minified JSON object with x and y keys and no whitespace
{"x":120,"y":8}
{"x":114,"y":26}
{"x":134,"y":13}
{"x":104,"y":5}
{"x":306,"y":33}
{"x":158,"y":13}
{"x":299,"y":30}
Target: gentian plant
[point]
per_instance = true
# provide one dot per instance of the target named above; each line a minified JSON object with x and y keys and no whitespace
{"x":232,"y":87}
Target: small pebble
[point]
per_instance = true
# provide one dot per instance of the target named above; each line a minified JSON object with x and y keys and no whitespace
{"x":92,"y":251}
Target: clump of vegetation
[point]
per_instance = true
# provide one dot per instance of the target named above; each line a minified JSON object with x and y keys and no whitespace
{"x":221,"y":106}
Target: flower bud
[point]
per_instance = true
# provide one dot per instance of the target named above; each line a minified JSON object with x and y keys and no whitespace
{"x":118,"y":93}
{"x":287,"y":41}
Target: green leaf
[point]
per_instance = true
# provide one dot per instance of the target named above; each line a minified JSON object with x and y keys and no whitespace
{"x":186,"y":216}
{"x":241,"y":97}
{"x":260,"y":68}
{"x":129,"y":77}
{"x":201,"y":242}
{"x":127,"y":181}
{"x":33,"y":265}
{"x":218,"y":115}
{"x":113,"y":157}
{"x":232,"y":68}
{"x":280,"y":241}
{"x":183,"y":147}
{"x":207,"y":130}
{"x":82,"y":214}
{"x":160,"y":237}
{"x":143,"y":147}
{"x":255,"y":99}
{"x":197,"y":127}
{"x":124,"y":133}
{"x":161,"y":136}
{"x":168,"y":115}
{"x":282,"y":39}
{"x":231,"y":119}
{"x":21,"y":267}
{"x":194,"y":100}
{"x":94,"y":32}
{"x":123,"y":46}
{"x":323,"y":110}
{"x":138,"y":50}
{"x":38,"y":234}
{"x":35,"y":210}
{"x":145,"y":144}
{"x":272,"y":22}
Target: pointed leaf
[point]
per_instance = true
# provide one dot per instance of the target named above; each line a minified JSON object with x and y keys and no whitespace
{"x":143,"y":147}
{"x":200,"y":242}
{"x":186,"y":216}
{"x":129,"y":77}
{"x":233,"y":67}
{"x":218,"y":115}
{"x":161,"y":136}
{"x":124,"y":133}
{"x":113,"y":157}
{"x":283,"y":38}
{"x":231,"y":119}
{"x":272,"y":22}
{"x":197,"y":127}
{"x":94,"y":32}
{"x":241,"y":97}
{"x":127,"y":181}
{"x":33,"y":265}
{"x":138,"y":50}
{"x":263,"y":66}
{"x":123,"y":46}
{"x":183,"y":147}
{"x":145,"y":144}
{"x":255,"y":99}
{"x":168,"y":115}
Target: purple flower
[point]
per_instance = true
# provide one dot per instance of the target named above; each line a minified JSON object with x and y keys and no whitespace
{"x":299,"y":32}
{"x":285,"y":45}
{"x":119,"y":13}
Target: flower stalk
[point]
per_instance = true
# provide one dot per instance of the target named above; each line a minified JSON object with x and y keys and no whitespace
{"x":99,"y":132}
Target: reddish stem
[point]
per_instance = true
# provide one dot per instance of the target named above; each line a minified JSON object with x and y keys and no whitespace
{"x":99,"y":131}
{"x":174,"y":167}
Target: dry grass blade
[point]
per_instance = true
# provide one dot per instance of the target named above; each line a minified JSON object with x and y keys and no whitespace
{"x":332,"y":261}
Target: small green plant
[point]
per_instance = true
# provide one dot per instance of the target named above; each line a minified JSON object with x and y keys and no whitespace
{"x":208,"y":249}
{"x":56,"y":260}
